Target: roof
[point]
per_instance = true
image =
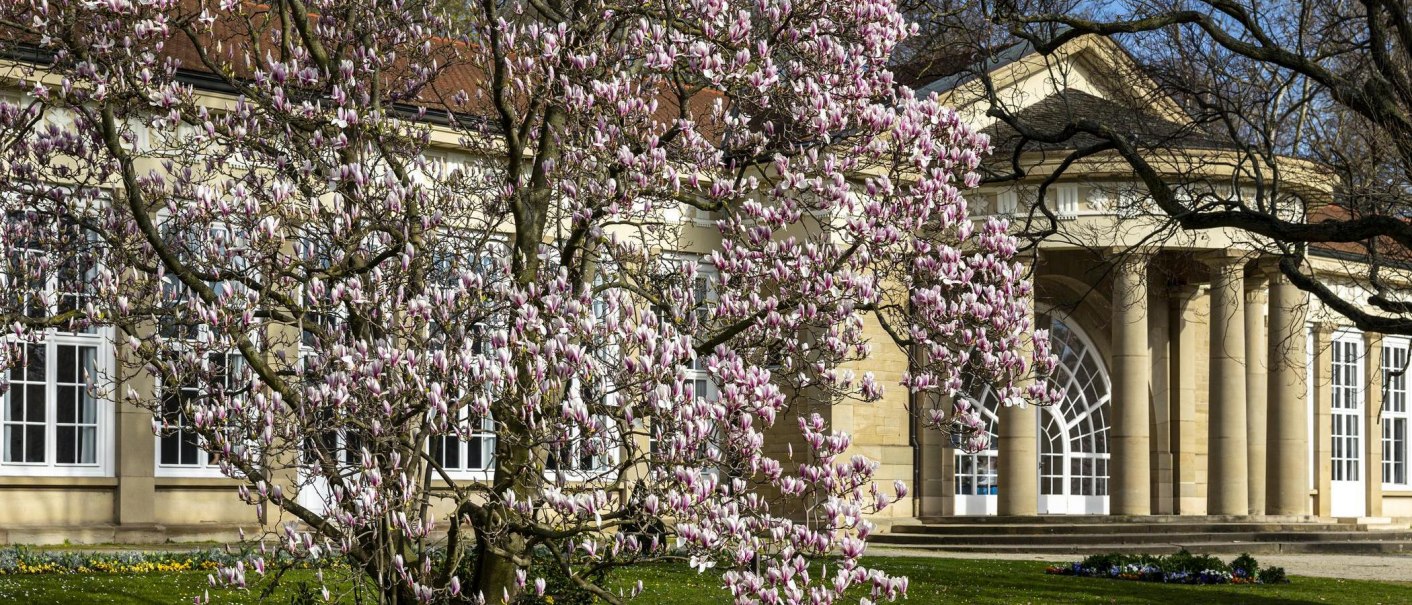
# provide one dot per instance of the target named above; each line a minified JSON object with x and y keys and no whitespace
{"x":966,"y":68}
{"x":1054,"y":113}
{"x":452,"y":67}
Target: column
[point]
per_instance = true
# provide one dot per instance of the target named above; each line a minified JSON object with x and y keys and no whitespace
{"x":1159,"y":332}
{"x":1287,"y":435}
{"x":934,"y":486}
{"x":1256,"y":384}
{"x":1130,"y":491}
{"x":1323,"y":422}
{"x":1372,"y":429}
{"x":135,"y":448}
{"x":1228,"y":492}
{"x":1185,"y":321}
{"x":1017,"y":464}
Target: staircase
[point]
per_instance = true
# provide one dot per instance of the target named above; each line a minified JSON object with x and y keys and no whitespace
{"x":1151,"y":534}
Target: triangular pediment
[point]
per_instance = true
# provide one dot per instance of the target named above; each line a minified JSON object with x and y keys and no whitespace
{"x":1090,"y":66}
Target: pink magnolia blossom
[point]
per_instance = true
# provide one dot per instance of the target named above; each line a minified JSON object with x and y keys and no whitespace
{"x":367,"y":238}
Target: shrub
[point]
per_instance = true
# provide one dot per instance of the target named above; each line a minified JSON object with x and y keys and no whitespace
{"x":1273,"y":575}
{"x":1180,"y":568}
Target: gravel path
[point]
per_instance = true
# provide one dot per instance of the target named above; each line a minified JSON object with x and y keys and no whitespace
{"x":1387,"y":568}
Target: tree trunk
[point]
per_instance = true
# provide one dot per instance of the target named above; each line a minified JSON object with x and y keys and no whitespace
{"x":496,"y":570}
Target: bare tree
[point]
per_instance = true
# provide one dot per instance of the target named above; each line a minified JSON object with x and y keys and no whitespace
{"x":1290,"y":123}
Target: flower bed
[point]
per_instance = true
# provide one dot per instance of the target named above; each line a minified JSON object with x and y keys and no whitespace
{"x":20,"y":560}
{"x":1180,"y":568}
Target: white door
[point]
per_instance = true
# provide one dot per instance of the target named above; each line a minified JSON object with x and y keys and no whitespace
{"x":1348,"y":497}
{"x":1073,"y":437}
{"x":976,"y":476}
{"x":314,"y":492}
{"x":1073,"y":434}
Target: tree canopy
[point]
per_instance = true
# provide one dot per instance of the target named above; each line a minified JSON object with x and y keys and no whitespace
{"x":579,"y":285}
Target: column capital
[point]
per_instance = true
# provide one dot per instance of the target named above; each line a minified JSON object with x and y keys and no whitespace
{"x":1181,"y":295}
{"x":1224,"y":259}
{"x":1130,"y":257}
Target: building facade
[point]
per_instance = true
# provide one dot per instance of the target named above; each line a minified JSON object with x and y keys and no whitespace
{"x":1197,"y":381}
{"x":1196,"y":378}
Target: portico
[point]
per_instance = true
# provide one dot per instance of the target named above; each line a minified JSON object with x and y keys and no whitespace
{"x":1177,"y":399}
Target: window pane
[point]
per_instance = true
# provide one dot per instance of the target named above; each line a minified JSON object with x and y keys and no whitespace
{"x":34,"y":362}
{"x":87,"y":407}
{"x":67,"y":396}
{"x":14,"y":443}
{"x":67,"y":365}
{"x":66,"y":440}
{"x":88,"y":445}
{"x":15,"y":404}
{"x":34,"y":443}
{"x":189,"y":451}
{"x":170,"y":448}
{"x":34,"y":401}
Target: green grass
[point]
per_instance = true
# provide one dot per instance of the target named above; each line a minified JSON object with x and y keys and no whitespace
{"x":932,"y":581}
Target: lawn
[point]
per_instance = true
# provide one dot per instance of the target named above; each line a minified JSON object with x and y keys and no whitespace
{"x":933,"y":581}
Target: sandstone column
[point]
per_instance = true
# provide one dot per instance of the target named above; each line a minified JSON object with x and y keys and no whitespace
{"x":1372,"y":454}
{"x":1184,"y":325}
{"x":1017,"y":465}
{"x":135,"y":448}
{"x":1130,"y":490}
{"x":1286,"y":447}
{"x":934,"y":486}
{"x":1228,"y":471}
{"x":1256,"y":352}
{"x":1322,"y":391}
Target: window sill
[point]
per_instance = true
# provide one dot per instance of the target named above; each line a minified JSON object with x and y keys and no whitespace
{"x":57,"y":482}
{"x":221,"y":482}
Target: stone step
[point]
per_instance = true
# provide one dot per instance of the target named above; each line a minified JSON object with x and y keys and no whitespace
{"x":1119,"y":519}
{"x":933,"y":539}
{"x":1213,"y":548}
{"x":1033,"y":529}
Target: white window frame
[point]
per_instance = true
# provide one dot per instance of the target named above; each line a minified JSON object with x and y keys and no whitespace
{"x":171,"y":281}
{"x":706,"y":298}
{"x":1395,"y":413}
{"x":483,"y":438}
{"x":604,"y":464}
{"x":100,"y":339}
{"x":1348,"y":467}
{"x":104,"y":413}
{"x":204,"y":467}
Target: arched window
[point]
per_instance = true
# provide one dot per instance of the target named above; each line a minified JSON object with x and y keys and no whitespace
{"x":1073,"y":434}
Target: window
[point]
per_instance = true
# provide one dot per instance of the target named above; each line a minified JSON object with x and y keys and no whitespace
{"x":52,"y":419}
{"x":587,"y":450}
{"x":1345,"y":404}
{"x":703,"y":289}
{"x":179,"y":448}
{"x":1395,"y":416}
{"x":583,"y":456}
{"x":699,"y":387}
{"x":474,"y":454}
{"x":208,"y":247}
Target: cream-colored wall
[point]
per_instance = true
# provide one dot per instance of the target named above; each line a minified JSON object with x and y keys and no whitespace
{"x":1397,"y":504}
{"x":54,"y":506}
{"x":192,"y":502}
{"x":880,"y":428}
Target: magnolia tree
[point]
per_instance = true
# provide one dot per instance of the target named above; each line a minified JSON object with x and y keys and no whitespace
{"x":574,"y":287}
